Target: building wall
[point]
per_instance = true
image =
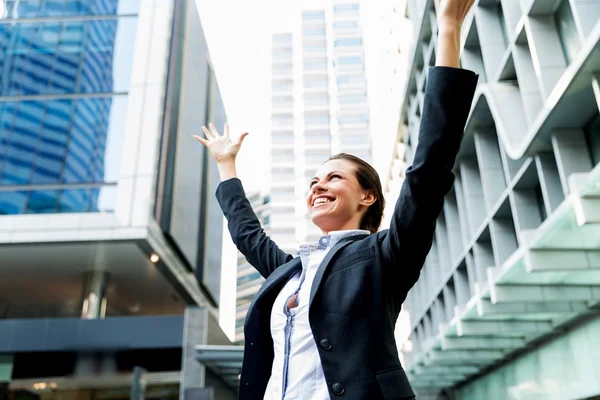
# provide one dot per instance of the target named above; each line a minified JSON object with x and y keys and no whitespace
{"x":501,"y":272}
{"x":319,"y":108}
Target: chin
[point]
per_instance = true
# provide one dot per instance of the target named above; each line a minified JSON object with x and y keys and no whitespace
{"x":324,"y":222}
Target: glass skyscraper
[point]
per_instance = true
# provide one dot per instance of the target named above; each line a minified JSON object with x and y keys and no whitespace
{"x":110,"y":243}
{"x":65,"y":71}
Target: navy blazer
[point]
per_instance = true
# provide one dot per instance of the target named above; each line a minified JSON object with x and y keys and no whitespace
{"x":362,"y":282}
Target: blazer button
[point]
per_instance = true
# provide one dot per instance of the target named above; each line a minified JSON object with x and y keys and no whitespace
{"x":337,"y":389}
{"x":325,"y":344}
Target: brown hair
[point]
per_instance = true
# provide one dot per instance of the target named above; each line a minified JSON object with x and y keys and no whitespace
{"x":368,"y":179}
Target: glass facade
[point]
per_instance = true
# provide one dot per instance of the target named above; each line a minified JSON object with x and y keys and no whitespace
{"x":65,"y":71}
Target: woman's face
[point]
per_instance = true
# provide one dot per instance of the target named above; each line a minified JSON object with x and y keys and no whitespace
{"x":335,"y":199}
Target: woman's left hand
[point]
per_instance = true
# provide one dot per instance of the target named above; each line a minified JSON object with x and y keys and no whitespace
{"x":452,"y":13}
{"x":451,"y":16}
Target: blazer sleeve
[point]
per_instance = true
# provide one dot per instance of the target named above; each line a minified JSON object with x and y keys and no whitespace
{"x":448,"y":97}
{"x":245,"y":229}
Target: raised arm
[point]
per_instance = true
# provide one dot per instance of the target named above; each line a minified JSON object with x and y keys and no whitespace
{"x":446,"y":106}
{"x":245,"y":229}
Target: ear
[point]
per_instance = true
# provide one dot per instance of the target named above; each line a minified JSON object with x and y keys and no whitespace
{"x":368,"y":198}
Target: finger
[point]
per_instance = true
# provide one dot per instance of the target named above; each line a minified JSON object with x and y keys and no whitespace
{"x":214,"y":130}
{"x":202,"y":140}
{"x":226,"y":130}
{"x":242,"y":136}
{"x":207,"y":133}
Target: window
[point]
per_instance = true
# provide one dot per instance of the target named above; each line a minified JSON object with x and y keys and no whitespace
{"x":353,"y":119}
{"x":348,"y":42}
{"x":282,"y":39}
{"x":316,"y":119}
{"x":282,"y":139}
{"x":311,"y":99}
{"x":354,"y":140}
{"x":314,"y":48}
{"x":348,"y":60}
{"x":313,"y":16}
{"x":282,"y":100}
{"x":282,"y":68}
{"x":345,"y":25}
{"x":346,"y":7}
{"x":314,"y":65}
{"x":349,"y":79}
{"x":283,"y":85}
{"x":279,"y":120}
{"x":565,"y":24}
{"x":314,"y":159}
{"x":324,"y":139}
{"x":282,"y":54}
{"x":314,"y":32}
{"x":352,"y":98}
{"x":317,"y":81}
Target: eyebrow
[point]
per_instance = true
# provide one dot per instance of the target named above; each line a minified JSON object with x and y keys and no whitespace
{"x":329,"y":174}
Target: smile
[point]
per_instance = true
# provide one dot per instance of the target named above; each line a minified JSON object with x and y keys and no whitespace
{"x":322,"y":200}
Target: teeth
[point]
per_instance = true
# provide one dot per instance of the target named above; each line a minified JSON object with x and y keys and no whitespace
{"x":322,"y":201}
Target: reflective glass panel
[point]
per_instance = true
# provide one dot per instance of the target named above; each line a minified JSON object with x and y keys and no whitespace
{"x":68,"y":140}
{"x":15,"y":9}
{"x":59,"y":57}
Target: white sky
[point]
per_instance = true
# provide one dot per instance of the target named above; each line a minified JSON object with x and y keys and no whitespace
{"x":238,"y":33}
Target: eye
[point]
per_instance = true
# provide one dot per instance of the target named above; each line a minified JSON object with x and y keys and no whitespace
{"x":336,"y":176}
{"x":311,"y":184}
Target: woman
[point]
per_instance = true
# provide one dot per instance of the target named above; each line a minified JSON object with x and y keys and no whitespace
{"x":322,"y":325}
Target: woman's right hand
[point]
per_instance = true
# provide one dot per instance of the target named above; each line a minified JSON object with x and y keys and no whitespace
{"x":222,"y":148}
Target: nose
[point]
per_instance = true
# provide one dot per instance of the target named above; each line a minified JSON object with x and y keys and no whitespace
{"x":318,"y":188}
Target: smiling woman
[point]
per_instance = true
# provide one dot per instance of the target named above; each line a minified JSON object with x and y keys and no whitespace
{"x":322,"y":325}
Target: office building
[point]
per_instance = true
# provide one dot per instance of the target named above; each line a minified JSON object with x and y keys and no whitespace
{"x":507,"y":302}
{"x":249,"y":279}
{"x":109,"y":229}
{"x":319,"y":108}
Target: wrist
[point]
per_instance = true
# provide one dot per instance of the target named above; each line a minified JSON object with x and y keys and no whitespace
{"x":227,"y":169}
{"x":449,"y":27}
{"x":226,"y":161}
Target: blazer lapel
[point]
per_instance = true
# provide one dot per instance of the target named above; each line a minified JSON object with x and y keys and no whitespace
{"x":282,"y":273}
{"x":325,"y":263}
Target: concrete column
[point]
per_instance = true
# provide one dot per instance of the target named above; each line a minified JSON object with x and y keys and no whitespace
{"x":94,"y":295}
{"x":195,"y":332}
{"x":6,"y":367}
